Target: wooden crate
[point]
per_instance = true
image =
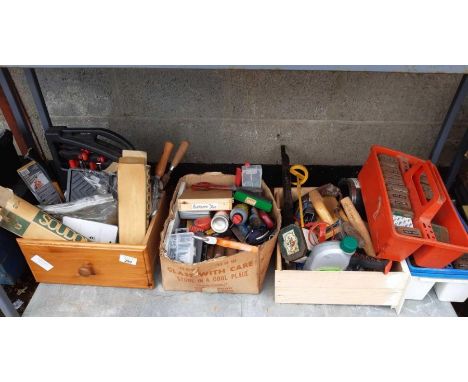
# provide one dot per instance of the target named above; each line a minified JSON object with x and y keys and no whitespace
{"x":341,"y":288}
{"x":101,"y":264}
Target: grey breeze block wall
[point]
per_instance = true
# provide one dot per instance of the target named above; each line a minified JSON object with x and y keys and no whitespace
{"x":232,"y":116}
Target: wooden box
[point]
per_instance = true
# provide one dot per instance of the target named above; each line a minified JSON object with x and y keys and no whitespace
{"x":102,"y":264}
{"x":341,"y":288}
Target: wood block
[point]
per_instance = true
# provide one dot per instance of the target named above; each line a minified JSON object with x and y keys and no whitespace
{"x":133,"y":194}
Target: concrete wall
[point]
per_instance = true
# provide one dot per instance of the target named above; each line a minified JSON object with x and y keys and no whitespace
{"x":231,"y":116}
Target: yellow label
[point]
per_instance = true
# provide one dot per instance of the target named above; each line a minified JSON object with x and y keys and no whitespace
{"x":250,"y":201}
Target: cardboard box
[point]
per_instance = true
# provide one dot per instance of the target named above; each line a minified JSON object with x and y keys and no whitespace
{"x":28,"y":221}
{"x":240,"y":273}
{"x":134,"y":196}
{"x":341,"y":288}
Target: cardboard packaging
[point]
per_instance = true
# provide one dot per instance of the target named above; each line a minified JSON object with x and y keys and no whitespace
{"x":243,"y":272}
{"x":39,"y":183}
{"x":134,"y":191}
{"x":28,"y":221}
{"x":94,"y":231}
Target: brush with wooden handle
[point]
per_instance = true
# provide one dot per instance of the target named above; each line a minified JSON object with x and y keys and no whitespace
{"x":175,"y":161}
{"x":357,"y":222}
{"x":159,"y":172}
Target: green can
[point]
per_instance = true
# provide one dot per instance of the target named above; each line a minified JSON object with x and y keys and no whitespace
{"x":253,"y":200}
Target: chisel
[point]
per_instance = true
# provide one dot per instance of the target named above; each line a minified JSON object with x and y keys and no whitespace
{"x":175,"y":161}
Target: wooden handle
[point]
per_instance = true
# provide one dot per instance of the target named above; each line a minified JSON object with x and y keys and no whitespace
{"x":320,"y":207}
{"x":179,"y":153}
{"x":236,"y":245}
{"x":161,"y":167}
{"x":86,"y":270}
{"x":358,"y":224}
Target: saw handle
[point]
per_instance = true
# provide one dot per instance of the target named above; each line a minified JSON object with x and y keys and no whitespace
{"x":162,"y":164}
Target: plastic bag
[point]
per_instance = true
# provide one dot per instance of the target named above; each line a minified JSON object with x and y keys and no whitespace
{"x":98,"y":208}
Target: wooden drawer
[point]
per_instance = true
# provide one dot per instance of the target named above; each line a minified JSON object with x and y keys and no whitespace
{"x":100,"y":264}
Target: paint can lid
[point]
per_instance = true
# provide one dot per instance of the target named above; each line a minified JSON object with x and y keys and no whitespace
{"x":236,"y":218}
{"x":219,"y":223}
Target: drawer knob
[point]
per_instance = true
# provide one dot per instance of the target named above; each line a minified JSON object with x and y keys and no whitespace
{"x":86,"y":270}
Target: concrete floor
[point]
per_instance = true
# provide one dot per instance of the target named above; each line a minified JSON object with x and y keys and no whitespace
{"x":70,"y":300}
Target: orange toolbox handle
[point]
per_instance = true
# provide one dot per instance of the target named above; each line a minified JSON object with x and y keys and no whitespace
{"x":424,"y":210}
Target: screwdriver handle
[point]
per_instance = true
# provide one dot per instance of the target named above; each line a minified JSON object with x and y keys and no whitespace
{"x":179,"y":154}
{"x":161,"y":166}
{"x":236,"y":245}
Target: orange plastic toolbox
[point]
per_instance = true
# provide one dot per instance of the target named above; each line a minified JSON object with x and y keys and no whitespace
{"x":437,"y":209}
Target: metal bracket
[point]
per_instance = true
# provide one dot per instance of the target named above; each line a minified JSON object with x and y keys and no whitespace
{"x":38,"y":97}
{"x":450,"y":118}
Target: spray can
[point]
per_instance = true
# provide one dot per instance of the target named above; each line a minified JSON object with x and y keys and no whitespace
{"x":220,"y":222}
{"x":254,"y":219}
{"x":239,"y":214}
{"x":266,"y":219}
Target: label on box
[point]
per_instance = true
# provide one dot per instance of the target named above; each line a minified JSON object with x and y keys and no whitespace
{"x":204,"y":206}
{"x":402,"y":221}
{"x":41,"y":262}
{"x":290,"y":242}
{"x":250,"y":201}
{"x":128,"y":259}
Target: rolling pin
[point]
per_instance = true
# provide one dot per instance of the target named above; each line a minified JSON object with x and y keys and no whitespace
{"x":357,"y":222}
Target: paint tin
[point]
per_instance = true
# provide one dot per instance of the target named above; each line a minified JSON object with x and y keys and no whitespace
{"x":220,"y":222}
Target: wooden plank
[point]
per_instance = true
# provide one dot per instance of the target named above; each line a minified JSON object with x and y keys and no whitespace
{"x":343,"y":279}
{"x":132,"y":185}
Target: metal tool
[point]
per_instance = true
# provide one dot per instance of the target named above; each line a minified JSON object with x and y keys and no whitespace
{"x":227,"y":243}
{"x":301,"y":174}
{"x":205,"y":186}
{"x":175,"y":161}
{"x":159,"y":172}
{"x":287,"y":210}
{"x":291,"y":238}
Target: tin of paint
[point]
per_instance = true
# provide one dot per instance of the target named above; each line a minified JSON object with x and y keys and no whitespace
{"x":220,"y":222}
{"x":239,"y":213}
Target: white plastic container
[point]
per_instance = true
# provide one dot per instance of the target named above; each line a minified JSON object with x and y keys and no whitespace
{"x":331,"y":255}
{"x":252,"y":176}
{"x":452,"y":290}
{"x":418,"y":287}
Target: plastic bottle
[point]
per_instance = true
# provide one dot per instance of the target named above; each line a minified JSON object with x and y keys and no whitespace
{"x":254,"y":219}
{"x":239,"y":214}
{"x":331,"y":255}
